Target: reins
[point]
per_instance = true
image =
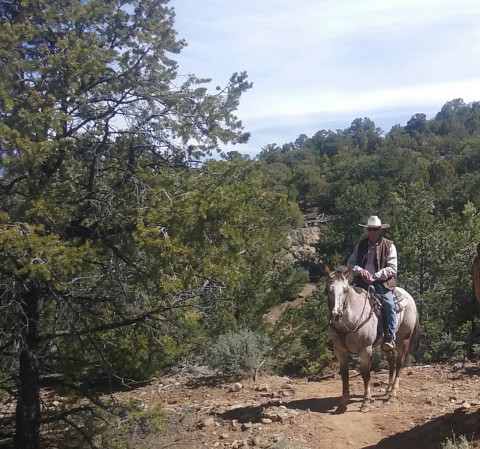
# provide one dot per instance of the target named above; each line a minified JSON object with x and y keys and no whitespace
{"x":358,"y":324}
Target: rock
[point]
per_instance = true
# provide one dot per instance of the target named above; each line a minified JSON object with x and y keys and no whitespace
{"x":246,"y":426}
{"x":256,"y":441}
{"x":238,"y":444}
{"x":270,"y":415}
{"x":276,"y":438}
{"x":458,"y":367}
{"x":206,"y":422}
{"x":237,"y":386}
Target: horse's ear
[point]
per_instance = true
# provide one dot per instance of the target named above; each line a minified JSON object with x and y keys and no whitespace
{"x":347,"y":272}
{"x":327,"y":271}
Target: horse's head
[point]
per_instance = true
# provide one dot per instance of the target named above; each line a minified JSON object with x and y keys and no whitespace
{"x":336,"y":290}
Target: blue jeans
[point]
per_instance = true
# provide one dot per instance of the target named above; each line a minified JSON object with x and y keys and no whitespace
{"x":388,"y":309}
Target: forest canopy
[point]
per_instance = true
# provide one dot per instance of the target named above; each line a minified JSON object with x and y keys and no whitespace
{"x":125,"y":249}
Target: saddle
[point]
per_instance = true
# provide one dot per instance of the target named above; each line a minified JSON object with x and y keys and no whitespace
{"x":377,"y":307}
{"x":398,"y":298}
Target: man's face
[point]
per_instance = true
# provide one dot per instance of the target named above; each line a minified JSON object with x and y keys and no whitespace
{"x":374,"y":234}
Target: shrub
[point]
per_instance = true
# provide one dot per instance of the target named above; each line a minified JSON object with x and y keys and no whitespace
{"x":129,"y":425}
{"x":238,"y":353}
{"x":302,"y":338}
{"x":448,"y":348}
{"x":460,"y":443}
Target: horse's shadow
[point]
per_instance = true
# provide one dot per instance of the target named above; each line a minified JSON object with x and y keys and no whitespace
{"x":254,"y":413}
{"x":315,"y":405}
{"x":326,"y":405}
{"x":330,"y":404}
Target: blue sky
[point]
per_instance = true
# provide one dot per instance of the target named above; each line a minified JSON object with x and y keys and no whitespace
{"x":319,"y":64}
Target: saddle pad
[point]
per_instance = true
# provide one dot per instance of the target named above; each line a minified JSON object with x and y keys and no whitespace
{"x":398,"y":297}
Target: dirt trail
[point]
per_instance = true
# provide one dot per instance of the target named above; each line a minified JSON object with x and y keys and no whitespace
{"x":435,"y":403}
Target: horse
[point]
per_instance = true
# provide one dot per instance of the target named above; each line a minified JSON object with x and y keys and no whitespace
{"x":355,"y":328}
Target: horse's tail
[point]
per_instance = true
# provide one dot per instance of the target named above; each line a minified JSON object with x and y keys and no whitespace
{"x":415,"y":338}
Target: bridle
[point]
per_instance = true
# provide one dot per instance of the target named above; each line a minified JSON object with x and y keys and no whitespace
{"x":359,"y":323}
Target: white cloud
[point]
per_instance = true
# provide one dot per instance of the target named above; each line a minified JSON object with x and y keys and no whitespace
{"x":312,"y":60}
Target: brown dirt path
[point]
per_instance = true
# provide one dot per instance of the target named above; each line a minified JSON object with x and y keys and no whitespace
{"x":435,"y":403}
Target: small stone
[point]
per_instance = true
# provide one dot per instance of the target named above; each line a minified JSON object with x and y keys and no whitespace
{"x":237,"y":386}
{"x":246,"y":426}
{"x":206,"y":422}
{"x":256,"y":441}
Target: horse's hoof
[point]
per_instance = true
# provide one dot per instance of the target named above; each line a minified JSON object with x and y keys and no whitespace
{"x":365,"y":408}
{"x":391,"y":399}
{"x":341,"y":409}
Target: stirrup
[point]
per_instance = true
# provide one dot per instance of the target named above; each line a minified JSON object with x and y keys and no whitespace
{"x":388,"y":346}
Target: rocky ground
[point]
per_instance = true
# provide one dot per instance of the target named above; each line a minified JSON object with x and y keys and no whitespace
{"x":436,"y":402}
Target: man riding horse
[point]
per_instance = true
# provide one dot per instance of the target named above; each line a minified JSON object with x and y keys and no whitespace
{"x":374,"y":263}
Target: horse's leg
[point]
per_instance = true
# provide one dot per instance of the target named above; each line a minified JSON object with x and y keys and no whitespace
{"x":399,"y":364}
{"x":391,"y":369}
{"x":344,"y":359}
{"x":365,"y":368}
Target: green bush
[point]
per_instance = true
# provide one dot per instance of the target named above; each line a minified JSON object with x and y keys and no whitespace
{"x":238,"y":353}
{"x":129,"y":425}
{"x":447,"y":348}
{"x":302,"y":338}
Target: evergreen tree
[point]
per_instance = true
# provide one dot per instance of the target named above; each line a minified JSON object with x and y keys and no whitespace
{"x":110,"y":249}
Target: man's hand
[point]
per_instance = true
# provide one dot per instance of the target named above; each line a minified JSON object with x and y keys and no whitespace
{"x":367,"y":277}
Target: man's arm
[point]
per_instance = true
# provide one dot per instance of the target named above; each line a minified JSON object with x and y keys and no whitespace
{"x":352,"y":262}
{"x":390,"y":269}
{"x":358,"y":270}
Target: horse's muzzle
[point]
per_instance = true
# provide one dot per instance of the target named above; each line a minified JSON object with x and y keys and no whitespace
{"x":336,"y":317}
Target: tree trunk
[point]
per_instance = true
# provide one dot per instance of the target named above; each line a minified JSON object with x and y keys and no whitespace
{"x":28,"y":402}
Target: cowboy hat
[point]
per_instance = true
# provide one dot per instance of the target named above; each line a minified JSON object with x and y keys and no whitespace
{"x":374,"y":222}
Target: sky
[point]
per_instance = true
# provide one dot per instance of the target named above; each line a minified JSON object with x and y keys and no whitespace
{"x":320,"y":64}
